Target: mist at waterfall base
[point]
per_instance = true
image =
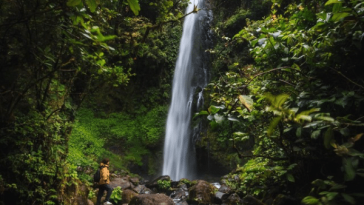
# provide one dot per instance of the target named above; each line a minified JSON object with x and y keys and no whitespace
{"x":191,"y":76}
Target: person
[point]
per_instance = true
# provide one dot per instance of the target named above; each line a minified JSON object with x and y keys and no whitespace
{"x":104,"y":182}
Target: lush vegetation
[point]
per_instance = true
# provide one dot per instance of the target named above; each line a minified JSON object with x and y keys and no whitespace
{"x":291,"y":81}
{"x":85,"y":79}
{"x":55,"y":55}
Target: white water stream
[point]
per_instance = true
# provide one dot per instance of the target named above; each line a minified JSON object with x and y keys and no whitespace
{"x":179,"y":156}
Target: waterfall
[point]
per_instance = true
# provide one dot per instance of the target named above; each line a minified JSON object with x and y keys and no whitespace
{"x":190,"y":74}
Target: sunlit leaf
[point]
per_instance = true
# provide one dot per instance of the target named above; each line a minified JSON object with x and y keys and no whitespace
{"x":333,"y":2}
{"x":91,"y":4}
{"x":246,"y":101}
{"x":134,"y":6}
{"x":212,"y":109}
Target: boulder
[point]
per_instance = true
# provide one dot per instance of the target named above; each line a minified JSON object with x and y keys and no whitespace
{"x":123,"y":182}
{"x":202,"y":193}
{"x":250,"y":200}
{"x":233,"y":199}
{"x":127,"y":195}
{"x":139,"y":189}
{"x":220,"y":197}
{"x":154,"y":183}
{"x":179,"y":195}
{"x":151,"y":199}
{"x":183,"y":186}
{"x":146,"y":190}
{"x":225,"y":189}
{"x":135,"y":181}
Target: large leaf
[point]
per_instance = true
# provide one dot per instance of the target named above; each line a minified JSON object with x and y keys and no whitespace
{"x":339,"y":16}
{"x":212,"y":109}
{"x":310,"y":200}
{"x":134,"y":6}
{"x":333,"y":2}
{"x":246,"y":101}
{"x":73,"y":2}
{"x":91,"y":5}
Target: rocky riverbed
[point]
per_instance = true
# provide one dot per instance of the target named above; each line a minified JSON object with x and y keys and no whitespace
{"x":163,"y":191}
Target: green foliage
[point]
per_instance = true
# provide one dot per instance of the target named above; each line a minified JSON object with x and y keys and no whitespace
{"x":257,"y":175}
{"x":299,"y":67}
{"x":116,"y":195}
{"x":56,"y":53}
{"x":133,"y":135}
{"x":164,"y":184}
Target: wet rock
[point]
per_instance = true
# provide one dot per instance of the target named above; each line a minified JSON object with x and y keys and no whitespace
{"x":202,"y":193}
{"x":154,"y":183}
{"x":151,"y":199}
{"x":233,"y":199}
{"x":250,"y":200}
{"x":123,"y":182}
{"x":179,"y":195}
{"x":220,"y":197}
{"x":146,"y":190}
{"x":183,"y":186}
{"x":135,"y":181}
{"x":139,"y":189}
{"x":127,"y":195}
{"x":225,"y":189}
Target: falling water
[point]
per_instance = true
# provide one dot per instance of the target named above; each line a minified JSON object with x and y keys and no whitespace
{"x":190,"y":74}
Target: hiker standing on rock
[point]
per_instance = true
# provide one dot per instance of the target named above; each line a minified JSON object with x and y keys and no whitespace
{"x":104,"y":182}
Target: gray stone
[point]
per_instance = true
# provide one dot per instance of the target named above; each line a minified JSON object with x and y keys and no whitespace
{"x":151,"y":199}
{"x":123,"y":182}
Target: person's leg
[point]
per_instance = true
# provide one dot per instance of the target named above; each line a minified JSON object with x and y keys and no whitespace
{"x":99,"y":195}
{"x":109,"y":191}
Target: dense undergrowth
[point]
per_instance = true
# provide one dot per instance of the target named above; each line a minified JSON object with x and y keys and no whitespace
{"x":290,"y":79}
{"x":115,"y":135}
{"x":56,"y":55}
